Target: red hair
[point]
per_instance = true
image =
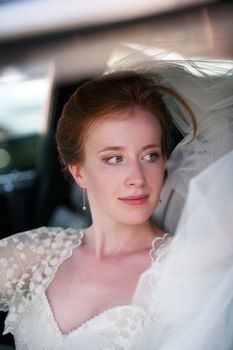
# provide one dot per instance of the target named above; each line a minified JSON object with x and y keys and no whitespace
{"x":98,"y":98}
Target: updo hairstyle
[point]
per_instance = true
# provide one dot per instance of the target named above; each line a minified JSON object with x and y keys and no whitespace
{"x":97,"y":99}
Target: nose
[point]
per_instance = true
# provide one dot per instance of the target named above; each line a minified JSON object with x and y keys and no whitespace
{"x":135,"y":175}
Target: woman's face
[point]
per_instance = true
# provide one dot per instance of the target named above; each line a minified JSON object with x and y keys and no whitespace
{"x":123,"y":168}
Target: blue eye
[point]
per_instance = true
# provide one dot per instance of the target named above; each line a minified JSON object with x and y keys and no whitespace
{"x":151,"y":157}
{"x":113,"y":160}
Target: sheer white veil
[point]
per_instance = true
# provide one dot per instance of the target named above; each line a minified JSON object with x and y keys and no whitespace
{"x":188,"y":291}
{"x":207,"y":86}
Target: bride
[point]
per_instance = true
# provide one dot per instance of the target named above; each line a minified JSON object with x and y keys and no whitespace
{"x":122,"y":283}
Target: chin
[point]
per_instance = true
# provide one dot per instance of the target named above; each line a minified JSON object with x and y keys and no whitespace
{"x":135,"y":218}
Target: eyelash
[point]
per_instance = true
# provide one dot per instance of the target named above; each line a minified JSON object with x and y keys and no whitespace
{"x":154,"y":154}
{"x":108,"y":159}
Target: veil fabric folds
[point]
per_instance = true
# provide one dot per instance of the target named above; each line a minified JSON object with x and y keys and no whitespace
{"x":207,"y":87}
{"x":188,"y":291}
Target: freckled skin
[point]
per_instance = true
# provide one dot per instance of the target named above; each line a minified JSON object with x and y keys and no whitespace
{"x":104,"y":270}
{"x":105,"y":183}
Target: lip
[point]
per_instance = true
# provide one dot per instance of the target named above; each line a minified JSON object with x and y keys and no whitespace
{"x":135,"y":200}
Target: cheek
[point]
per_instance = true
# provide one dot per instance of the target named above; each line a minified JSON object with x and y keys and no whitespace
{"x":102,"y":181}
{"x":156,"y":170}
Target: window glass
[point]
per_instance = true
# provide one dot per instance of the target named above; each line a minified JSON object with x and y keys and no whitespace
{"x":23,"y":118}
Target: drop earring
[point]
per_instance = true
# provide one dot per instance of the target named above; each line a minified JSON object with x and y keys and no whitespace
{"x":84,"y":199}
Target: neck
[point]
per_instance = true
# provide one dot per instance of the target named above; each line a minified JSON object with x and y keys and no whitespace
{"x":120,"y":239}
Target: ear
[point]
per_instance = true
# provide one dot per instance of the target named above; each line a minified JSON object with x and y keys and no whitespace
{"x":76,"y":172}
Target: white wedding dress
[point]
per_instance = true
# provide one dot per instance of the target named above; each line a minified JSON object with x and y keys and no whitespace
{"x":28,"y":263}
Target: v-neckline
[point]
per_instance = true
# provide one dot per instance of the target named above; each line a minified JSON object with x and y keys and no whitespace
{"x":84,"y":324}
{"x":102,"y":313}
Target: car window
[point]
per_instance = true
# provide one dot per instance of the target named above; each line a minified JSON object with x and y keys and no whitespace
{"x":23,"y":119}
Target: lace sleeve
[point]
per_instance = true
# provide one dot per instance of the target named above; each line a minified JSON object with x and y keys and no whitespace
{"x":11,"y":268}
{"x":30,"y":254}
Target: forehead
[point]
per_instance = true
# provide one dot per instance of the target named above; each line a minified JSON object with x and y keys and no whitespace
{"x":123,"y":126}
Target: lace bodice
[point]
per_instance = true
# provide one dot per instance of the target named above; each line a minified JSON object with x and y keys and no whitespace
{"x":28,"y":263}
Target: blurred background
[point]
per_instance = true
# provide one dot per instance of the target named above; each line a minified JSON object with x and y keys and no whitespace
{"x":48,"y":48}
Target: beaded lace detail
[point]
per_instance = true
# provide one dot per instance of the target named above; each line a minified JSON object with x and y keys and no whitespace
{"x":28,"y":263}
{"x":158,"y":244}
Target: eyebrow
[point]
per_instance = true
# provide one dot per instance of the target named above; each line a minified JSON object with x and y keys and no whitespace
{"x":120,"y":148}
